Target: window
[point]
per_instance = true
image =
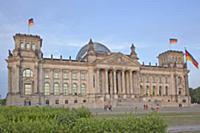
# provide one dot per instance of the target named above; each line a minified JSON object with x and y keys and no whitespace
{"x":28,"y":46}
{"x":33,"y":46}
{"x":179,"y":80}
{"x":166,"y":79}
{"x":75,"y":101}
{"x":154,"y":90}
{"x":22,"y":45}
{"x":65,"y":75}
{"x":47,"y":102}
{"x":74,"y":75}
{"x":57,"y":102}
{"x":56,"y":89}
{"x":184,"y":101}
{"x":84,"y":101}
{"x":147,"y":79}
{"x":56,"y":75}
{"x":46,"y":74}
{"x":142,"y":90}
{"x":65,"y":89}
{"x":27,"y":73}
{"x":153,"y":79}
{"x":46,"y":89}
{"x":27,"y":89}
{"x":160,"y":79}
{"x":179,"y":91}
{"x":66,"y":101}
{"x":27,"y":103}
{"x":83,"y":88}
{"x":160,"y":90}
{"x":166,"y":90}
{"x":147,"y":90}
{"x":74,"y":89}
{"x":82,"y":76}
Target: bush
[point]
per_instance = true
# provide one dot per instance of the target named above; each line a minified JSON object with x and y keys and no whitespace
{"x":54,"y":120}
{"x":151,"y":123}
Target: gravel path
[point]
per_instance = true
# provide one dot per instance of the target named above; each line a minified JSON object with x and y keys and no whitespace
{"x":189,"y":128}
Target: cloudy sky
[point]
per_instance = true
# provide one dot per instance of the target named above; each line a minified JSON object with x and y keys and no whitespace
{"x":66,"y":25}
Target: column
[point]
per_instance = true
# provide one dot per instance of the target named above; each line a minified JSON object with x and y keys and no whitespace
{"x":123,"y":81}
{"x":106,"y":81}
{"x":131,"y":82}
{"x":127,"y":83}
{"x":97,"y":83}
{"x":9,"y":80}
{"x":70,"y":82}
{"x":115,"y":85}
{"x":119,"y":82}
{"x":111,"y":82}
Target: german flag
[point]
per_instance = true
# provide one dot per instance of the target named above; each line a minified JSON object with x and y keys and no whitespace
{"x":191,"y":58}
{"x":173,"y":41}
{"x":30,"y":22}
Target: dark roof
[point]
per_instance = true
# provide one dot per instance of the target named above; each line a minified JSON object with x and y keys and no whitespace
{"x":98,"y":47}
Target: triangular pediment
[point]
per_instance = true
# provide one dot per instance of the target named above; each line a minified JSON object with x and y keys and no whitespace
{"x":118,"y":59}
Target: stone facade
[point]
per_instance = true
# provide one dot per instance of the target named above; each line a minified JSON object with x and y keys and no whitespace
{"x":96,"y":78}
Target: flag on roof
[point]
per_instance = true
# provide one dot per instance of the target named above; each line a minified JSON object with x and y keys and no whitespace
{"x":173,"y":41}
{"x":30,"y":22}
{"x":191,"y":58}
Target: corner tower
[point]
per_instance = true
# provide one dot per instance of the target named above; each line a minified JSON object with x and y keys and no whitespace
{"x":24,"y":69}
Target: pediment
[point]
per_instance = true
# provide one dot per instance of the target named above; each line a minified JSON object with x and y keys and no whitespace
{"x":118,"y":59}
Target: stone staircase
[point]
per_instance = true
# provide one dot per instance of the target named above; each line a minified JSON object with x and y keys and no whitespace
{"x":133,"y":103}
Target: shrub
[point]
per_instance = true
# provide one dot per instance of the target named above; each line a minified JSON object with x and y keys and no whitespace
{"x":59,"y":120}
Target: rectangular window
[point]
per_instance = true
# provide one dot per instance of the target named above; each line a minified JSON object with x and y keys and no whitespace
{"x":33,"y":46}
{"x":74,"y":75}
{"x":65,"y":75}
{"x":56,"y":75}
{"x":57,"y":102}
{"x":27,"y":89}
{"x":46,"y":74}
{"x":82,"y":76}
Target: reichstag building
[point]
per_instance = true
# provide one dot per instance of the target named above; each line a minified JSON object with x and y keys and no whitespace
{"x":97,"y":77}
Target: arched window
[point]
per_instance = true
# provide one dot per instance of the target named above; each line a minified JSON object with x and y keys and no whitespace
{"x":56,"y":89}
{"x":65,"y":89}
{"x":46,"y":89}
{"x":27,"y":73}
{"x":166,"y":90}
{"x":83,"y":89}
{"x":74,"y":89}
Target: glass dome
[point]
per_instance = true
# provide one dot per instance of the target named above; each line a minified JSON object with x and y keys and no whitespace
{"x":98,"y":47}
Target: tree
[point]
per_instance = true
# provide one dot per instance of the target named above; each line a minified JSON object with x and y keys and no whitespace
{"x":2,"y":102}
{"x":195,"y":95}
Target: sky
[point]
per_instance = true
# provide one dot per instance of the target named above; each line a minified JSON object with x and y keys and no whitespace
{"x":67,"y":25}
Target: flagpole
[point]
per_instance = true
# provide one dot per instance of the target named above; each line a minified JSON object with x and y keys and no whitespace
{"x":28,"y":29}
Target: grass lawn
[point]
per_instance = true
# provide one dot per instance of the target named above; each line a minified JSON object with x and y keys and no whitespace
{"x":172,"y":119}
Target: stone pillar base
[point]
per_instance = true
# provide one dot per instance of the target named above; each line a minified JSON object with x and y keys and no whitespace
{"x":107,"y":96}
{"x":132,"y":96}
{"x":124,"y":96}
{"x":116,"y":96}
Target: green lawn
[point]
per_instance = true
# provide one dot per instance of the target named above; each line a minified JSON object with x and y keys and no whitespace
{"x":172,"y":119}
